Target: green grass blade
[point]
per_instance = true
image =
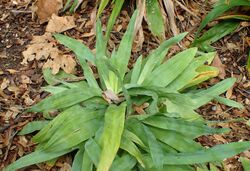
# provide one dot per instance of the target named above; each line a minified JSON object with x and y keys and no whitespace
{"x":112,"y":133}
{"x":154,"y":18}
{"x":32,"y":127}
{"x":82,"y":52}
{"x":36,"y":157}
{"x":168,"y":71}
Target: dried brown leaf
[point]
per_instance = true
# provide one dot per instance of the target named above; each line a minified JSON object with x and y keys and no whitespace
{"x":45,"y":9}
{"x":57,"y":61}
{"x":169,"y":5}
{"x":60,"y":24}
{"x":217,"y":63}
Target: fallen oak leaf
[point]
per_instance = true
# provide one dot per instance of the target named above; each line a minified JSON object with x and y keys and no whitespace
{"x":60,"y":24}
{"x":57,"y":61}
{"x":43,"y":48}
{"x":45,"y":8}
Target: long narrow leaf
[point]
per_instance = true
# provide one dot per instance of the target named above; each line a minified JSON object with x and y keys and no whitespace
{"x":168,"y":71}
{"x":33,"y":126}
{"x":157,"y":56}
{"x":82,"y":52}
{"x":216,"y":153}
{"x":36,"y":157}
{"x":112,"y":133}
{"x":154,"y":17}
{"x":65,"y":99}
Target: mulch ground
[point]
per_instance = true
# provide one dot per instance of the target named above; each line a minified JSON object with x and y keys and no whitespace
{"x":21,"y":85}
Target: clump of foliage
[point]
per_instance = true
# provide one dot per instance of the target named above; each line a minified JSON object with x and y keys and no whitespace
{"x":230,"y":13}
{"x":99,"y":117}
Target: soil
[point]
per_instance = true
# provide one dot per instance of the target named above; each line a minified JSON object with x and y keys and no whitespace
{"x":17,"y":27}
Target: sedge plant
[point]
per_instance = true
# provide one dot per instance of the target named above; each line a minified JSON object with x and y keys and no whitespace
{"x":99,"y":118}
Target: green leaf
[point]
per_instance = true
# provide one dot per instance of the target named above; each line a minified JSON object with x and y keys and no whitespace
{"x":157,"y":56}
{"x":112,"y":133}
{"x":216,"y":153}
{"x":115,"y":12}
{"x":121,"y":58}
{"x":235,"y":16}
{"x":82,"y":52}
{"x":78,"y":160}
{"x":54,"y":125}
{"x":33,"y":126}
{"x":133,"y":137}
{"x":102,"y":5}
{"x":93,"y":151}
{"x":190,"y":129}
{"x":204,"y":73}
{"x":102,"y":68}
{"x":75,"y":130}
{"x":136,"y":71}
{"x":36,"y":157}
{"x":176,"y":140}
{"x":203,"y":97}
{"x":65,"y":99}
{"x":245,"y":163}
{"x":58,"y":78}
{"x":154,"y":18}
{"x":156,"y":151}
{"x":229,"y":102}
{"x":219,"y":9}
{"x":87,"y":164}
{"x":54,"y":89}
{"x":189,"y":73}
{"x":128,"y":145}
{"x":125,"y":163}
{"x":168,"y":71}
{"x":214,"y":34}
